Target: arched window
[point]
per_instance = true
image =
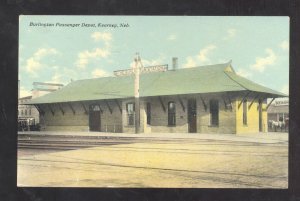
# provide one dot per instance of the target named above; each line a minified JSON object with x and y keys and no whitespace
{"x":130,"y":113}
{"x":95,"y":108}
{"x":171,"y":114}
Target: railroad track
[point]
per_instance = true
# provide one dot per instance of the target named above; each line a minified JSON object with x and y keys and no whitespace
{"x":67,"y":142}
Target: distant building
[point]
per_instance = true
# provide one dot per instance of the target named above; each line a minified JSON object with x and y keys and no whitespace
{"x":205,"y":99}
{"x":279,"y":111}
{"x":278,"y":115}
{"x":27,"y":111}
{"x":28,"y":115}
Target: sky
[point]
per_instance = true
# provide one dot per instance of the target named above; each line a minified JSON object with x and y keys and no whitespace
{"x":54,"y":53}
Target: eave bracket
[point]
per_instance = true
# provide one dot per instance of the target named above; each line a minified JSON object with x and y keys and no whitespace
{"x":162,"y":103}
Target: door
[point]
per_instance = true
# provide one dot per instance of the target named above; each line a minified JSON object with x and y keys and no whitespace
{"x":192,"y":116}
{"x":260,"y":115}
{"x":94,"y":118}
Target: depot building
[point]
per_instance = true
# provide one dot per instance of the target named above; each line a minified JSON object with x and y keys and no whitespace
{"x":205,"y":99}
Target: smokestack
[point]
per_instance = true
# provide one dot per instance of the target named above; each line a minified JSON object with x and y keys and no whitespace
{"x":174,"y":63}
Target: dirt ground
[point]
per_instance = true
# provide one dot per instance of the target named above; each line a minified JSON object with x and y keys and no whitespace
{"x":204,"y":162}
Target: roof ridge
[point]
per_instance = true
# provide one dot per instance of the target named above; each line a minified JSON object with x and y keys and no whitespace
{"x":169,"y":70}
{"x":216,"y":65}
{"x":252,"y":82}
{"x":227,"y":73}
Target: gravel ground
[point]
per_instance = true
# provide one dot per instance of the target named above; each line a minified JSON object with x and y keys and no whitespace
{"x":200,"y":161}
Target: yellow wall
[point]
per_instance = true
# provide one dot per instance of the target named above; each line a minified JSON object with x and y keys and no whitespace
{"x":252,"y":118}
{"x":227,"y":123}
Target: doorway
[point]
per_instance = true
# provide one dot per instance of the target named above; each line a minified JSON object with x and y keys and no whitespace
{"x":94,"y":118}
{"x":192,"y":116}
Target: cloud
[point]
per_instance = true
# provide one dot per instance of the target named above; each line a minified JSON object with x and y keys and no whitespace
{"x":244,"y":73}
{"x":285,"y":89}
{"x":24,"y":92}
{"x":203,"y":54}
{"x":230,"y":34}
{"x":202,"y":58}
{"x":33,"y":63}
{"x":71,"y":74}
{"x":284,"y":45}
{"x":102,"y":36}
{"x":189,"y":63}
{"x":63,"y":75}
{"x":56,"y":78}
{"x":172,"y":37}
{"x":99,"y":73}
{"x":44,"y":52}
{"x":262,"y":62}
{"x":85,"y":56}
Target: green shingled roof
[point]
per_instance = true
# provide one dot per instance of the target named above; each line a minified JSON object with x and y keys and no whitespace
{"x":203,"y":79}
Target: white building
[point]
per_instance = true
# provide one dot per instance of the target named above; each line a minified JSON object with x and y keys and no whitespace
{"x":28,"y":114}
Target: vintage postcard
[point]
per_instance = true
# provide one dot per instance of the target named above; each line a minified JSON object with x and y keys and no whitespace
{"x":153,"y":101}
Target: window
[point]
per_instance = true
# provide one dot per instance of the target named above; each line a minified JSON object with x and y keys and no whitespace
{"x":25,"y":112}
{"x":22,"y":112}
{"x":130,"y":113}
{"x":171,"y":114}
{"x":30,"y":111}
{"x":245,"y":112}
{"x":214,"y":112}
{"x":148,"y":113}
{"x":95,"y":108}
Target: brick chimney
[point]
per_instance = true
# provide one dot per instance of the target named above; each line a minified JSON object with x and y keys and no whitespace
{"x":174,"y":63}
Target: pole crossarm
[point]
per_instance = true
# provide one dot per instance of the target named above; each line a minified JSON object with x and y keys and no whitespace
{"x":148,"y":69}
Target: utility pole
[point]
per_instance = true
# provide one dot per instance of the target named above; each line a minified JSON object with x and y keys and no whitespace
{"x":137,"y":61}
{"x":138,"y":69}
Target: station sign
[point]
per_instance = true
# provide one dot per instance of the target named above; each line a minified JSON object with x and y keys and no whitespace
{"x":148,"y":69}
{"x":281,"y":102}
